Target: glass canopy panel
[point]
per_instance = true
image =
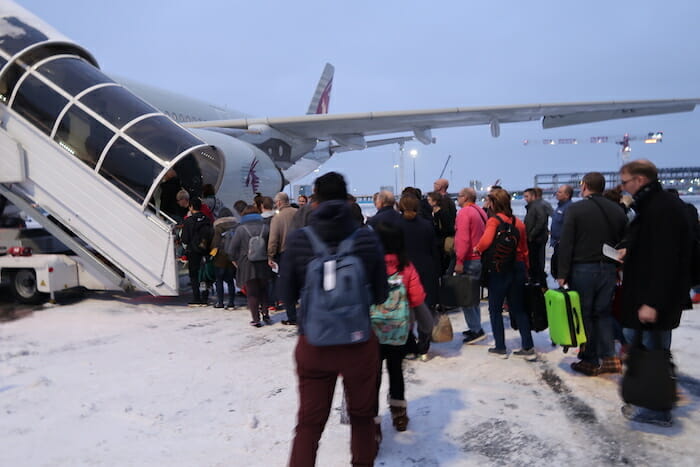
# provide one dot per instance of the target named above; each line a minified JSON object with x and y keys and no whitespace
{"x":117,"y":105}
{"x":163,"y":137}
{"x":82,"y":135}
{"x":73,"y":74}
{"x":38,"y":103}
{"x":130,"y":170}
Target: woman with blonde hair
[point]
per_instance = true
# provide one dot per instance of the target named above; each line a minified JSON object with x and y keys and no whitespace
{"x":505,"y":273}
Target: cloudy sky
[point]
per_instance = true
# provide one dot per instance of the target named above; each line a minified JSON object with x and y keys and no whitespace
{"x":264,"y":58}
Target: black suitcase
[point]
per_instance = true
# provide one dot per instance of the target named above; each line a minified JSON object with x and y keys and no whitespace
{"x":535,"y":307}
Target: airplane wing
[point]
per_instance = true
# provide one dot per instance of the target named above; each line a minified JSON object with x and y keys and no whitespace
{"x":352,"y":128}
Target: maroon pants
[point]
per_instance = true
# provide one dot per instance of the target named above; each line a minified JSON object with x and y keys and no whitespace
{"x":317,"y":370}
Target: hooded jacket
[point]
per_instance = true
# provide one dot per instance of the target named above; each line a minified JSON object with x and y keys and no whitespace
{"x":332,"y":221}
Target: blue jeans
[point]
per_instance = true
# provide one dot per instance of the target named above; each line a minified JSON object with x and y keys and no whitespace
{"x":509,"y":284}
{"x":595,"y":284}
{"x":225,"y":275}
{"x":472,"y":314}
{"x":647,"y":338}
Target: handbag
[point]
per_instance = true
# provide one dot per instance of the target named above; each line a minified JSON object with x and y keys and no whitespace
{"x":442,"y":331}
{"x":459,"y":290}
{"x":207,"y":272}
{"x":449,"y":245}
{"x":650,"y":378}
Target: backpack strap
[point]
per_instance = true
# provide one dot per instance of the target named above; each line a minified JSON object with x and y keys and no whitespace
{"x":481,"y":213}
{"x":346,"y":246}
{"x":320,"y":248}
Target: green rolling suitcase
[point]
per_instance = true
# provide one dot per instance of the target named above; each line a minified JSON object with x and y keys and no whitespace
{"x":564,"y":318}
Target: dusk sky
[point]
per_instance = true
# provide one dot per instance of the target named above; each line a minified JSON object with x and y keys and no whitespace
{"x":264,"y":58}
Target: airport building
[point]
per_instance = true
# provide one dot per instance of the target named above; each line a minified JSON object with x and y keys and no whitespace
{"x":684,"y":179}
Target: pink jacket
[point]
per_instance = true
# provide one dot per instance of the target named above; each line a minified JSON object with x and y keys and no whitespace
{"x":411,"y":280}
{"x":469,"y":227}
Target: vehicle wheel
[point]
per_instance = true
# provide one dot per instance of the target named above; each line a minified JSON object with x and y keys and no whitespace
{"x":25,"y":288}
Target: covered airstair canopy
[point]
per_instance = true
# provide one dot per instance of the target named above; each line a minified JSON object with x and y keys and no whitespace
{"x":95,"y":153}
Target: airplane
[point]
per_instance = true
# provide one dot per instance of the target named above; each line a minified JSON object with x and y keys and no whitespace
{"x":262,"y":155}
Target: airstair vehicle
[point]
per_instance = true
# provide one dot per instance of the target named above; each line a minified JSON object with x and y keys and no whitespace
{"x":84,"y":157}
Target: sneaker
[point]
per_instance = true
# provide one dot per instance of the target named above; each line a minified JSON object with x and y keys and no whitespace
{"x":474,"y":337}
{"x":611,"y":365}
{"x":256,"y":324}
{"x":288,"y":322}
{"x":194,"y":303}
{"x":229,"y":306}
{"x":424,"y":357}
{"x":219,"y":305}
{"x":585,"y":368}
{"x":642,"y":415}
{"x":503,"y":353}
{"x":527,"y":354}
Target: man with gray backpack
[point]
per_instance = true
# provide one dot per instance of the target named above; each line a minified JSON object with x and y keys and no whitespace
{"x":338,"y":271}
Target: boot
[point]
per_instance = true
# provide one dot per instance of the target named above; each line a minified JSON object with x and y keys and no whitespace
{"x":611,"y":365}
{"x":398,"y":414}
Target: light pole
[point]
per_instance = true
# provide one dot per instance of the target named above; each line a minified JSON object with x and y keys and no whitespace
{"x":402,"y":185}
{"x":396,"y":178}
{"x":414,"y":153}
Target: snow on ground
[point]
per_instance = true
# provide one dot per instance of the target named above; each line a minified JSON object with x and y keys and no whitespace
{"x":116,"y":381}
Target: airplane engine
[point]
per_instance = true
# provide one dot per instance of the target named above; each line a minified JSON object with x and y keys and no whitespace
{"x":249,"y":170}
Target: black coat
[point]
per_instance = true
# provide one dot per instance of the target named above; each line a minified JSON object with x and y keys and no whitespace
{"x":332,"y":221}
{"x":421,"y":249}
{"x":657,"y":264}
{"x":587,"y":225}
{"x":190,"y":227}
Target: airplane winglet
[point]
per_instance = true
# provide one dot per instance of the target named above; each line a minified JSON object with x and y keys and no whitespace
{"x":322,"y":96}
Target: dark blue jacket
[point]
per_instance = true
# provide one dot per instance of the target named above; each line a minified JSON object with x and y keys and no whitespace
{"x":332,"y":221}
{"x":558,"y":221}
{"x":388,"y":215}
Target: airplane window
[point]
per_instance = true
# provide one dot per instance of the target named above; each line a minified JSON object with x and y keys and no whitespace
{"x":73,"y":74}
{"x":82,"y":135}
{"x":38,"y":103}
{"x":117,"y":105}
{"x":130,"y":170}
{"x":163,"y":137}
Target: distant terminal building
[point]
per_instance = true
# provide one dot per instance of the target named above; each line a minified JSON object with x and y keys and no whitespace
{"x":684,"y":179}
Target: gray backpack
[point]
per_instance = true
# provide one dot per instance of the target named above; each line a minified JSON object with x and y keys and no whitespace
{"x":257,"y":245}
{"x":336,"y":297}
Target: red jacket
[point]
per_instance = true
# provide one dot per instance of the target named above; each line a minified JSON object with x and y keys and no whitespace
{"x":469,"y":228}
{"x":490,"y":232}
{"x":411,"y":280}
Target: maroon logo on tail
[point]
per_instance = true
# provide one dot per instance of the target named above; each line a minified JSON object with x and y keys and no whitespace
{"x":325,"y":99}
{"x":252,"y":179}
